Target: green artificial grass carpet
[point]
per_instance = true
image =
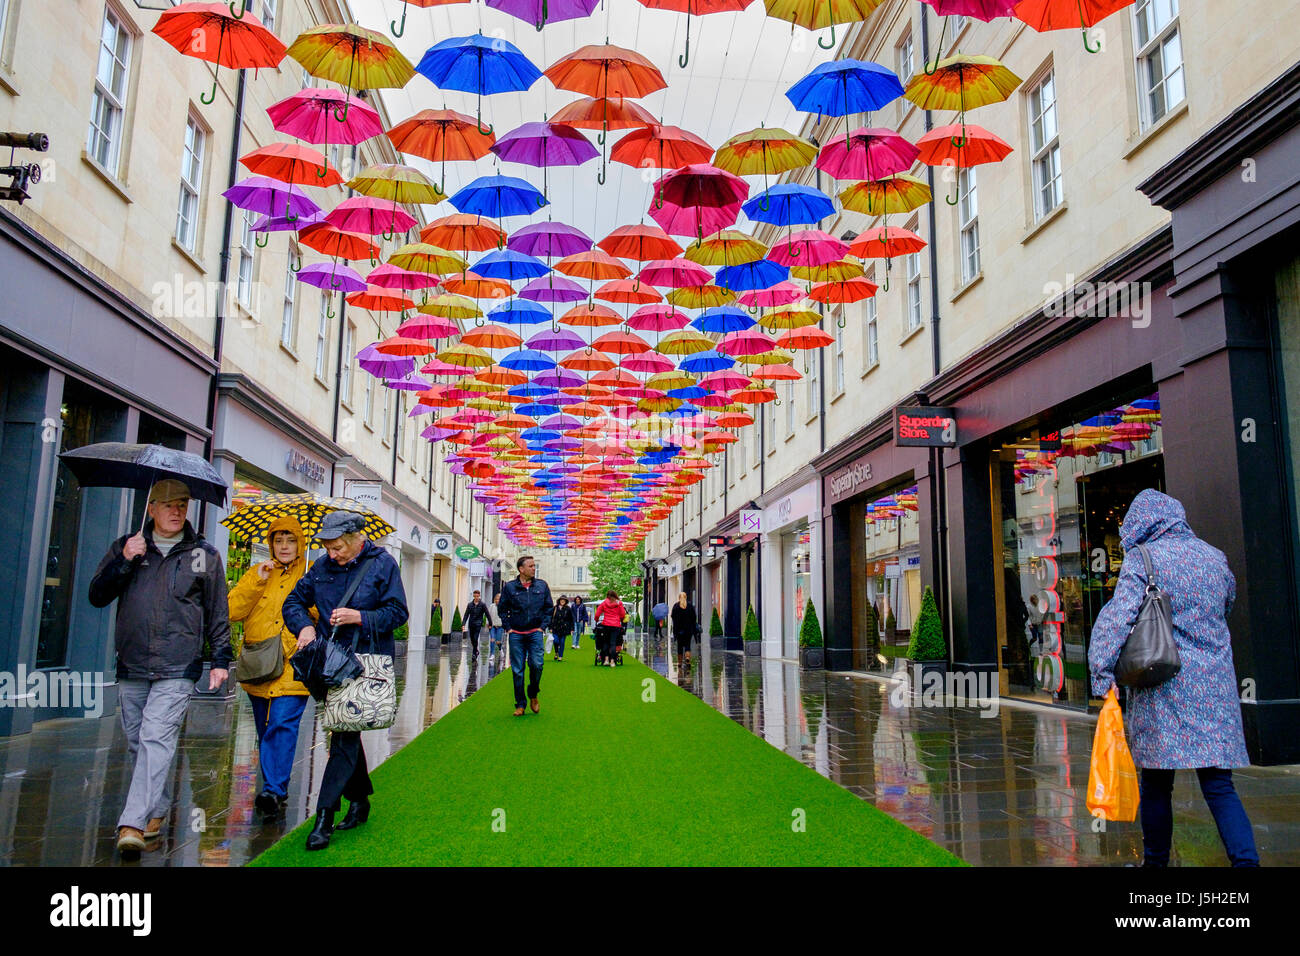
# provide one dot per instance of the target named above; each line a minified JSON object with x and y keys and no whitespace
{"x":601,"y":777}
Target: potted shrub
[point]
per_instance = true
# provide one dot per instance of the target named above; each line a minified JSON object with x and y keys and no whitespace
{"x":927,"y":648}
{"x":871,"y":645}
{"x":400,"y":635}
{"x":812,"y":652}
{"x":456,"y":626}
{"x":715,"y":630}
{"x":891,"y":627}
{"x":435,"y":626}
{"x":753,"y":636}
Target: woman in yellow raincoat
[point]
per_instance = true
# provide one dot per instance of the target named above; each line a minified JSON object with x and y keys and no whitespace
{"x":278,"y":703}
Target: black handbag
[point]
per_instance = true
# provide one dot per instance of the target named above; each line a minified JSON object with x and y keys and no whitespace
{"x":328,"y":662}
{"x":1150,"y":654}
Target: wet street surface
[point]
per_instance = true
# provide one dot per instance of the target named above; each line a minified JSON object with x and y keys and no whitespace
{"x":995,"y":787}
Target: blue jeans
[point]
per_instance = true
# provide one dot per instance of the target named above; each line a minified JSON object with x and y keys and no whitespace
{"x":529,"y":646}
{"x":578,"y":632}
{"x":494,"y":638}
{"x":277,"y":737}
{"x":1220,"y":795}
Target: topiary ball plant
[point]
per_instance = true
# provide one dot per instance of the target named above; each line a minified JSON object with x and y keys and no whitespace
{"x":927,"y":643}
{"x":752,"y":632}
{"x":715,"y":625}
{"x":810,"y":631}
{"x":872,"y":625}
{"x":402,"y":632}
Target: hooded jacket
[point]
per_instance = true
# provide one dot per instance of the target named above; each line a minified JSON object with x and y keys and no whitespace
{"x":1194,"y":719}
{"x":379,"y":597}
{"x":167,"y":607}
{"x":259,"y":604}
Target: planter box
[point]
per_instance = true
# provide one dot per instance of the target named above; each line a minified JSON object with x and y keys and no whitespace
{"x":812,"y":658}
{"x":452,"y":638}
{"x":225,"y":692}
{"x":753,"y":648}
{"x":733,"y":643}
{"x":717,"y":642}
{"x":399,"y":648}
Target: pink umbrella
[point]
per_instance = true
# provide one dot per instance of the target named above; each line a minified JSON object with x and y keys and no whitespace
{"x":439,"y":367}
{"x":810,"y":247}
{"x":370,"y":216}
{"x":697,"y":200}
{"x":648,"y":362}
{"x":712,"y":401}
{"x":748,"y":342}
{"x":674,"y":273}
{"x":309,"y":115}
{"x":658,"y":317}
{"x":727,"y":380}
{"x":429,"y":327}
{"x":783,"y":293}
{"x":867,"y":153}
{"x":391,"y":277}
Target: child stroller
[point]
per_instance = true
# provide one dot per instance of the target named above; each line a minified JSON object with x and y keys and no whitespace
{"x":607,"y":638}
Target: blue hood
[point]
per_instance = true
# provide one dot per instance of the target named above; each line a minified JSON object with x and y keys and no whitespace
{"x":1153,"y":515}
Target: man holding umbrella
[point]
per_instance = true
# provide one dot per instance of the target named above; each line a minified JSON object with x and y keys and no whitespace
{"x":170,"y":589}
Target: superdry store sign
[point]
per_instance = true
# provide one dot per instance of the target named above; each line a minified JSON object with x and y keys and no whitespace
{"x":925,"y":427}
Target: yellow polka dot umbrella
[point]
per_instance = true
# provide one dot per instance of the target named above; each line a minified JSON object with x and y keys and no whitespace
{"x":309,"y":509}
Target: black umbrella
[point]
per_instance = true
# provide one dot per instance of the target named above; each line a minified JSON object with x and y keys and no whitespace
{"x":115,"y":464}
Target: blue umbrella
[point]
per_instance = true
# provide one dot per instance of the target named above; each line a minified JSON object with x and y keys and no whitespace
{"x":689,"y":392}
{"x":478,"y":64}
{"x":723,"y":318}
{"x":520,"y":312}
{"x":529,"y":390}
{"x":709,"y":361}
{"x":536,"y":410}
{"x":842,"y":87}
{"x":759,"y":274}
{"x":509,"y":265}
{"x":789,"y":204}
{"x":499,"y":196}
{"x":528,"y":360}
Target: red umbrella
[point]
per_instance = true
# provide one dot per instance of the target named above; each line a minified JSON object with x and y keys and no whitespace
{"x":440,"y":135}
{"x":625,"y":290}
{"x":674,"y":273}
{"x":1044,"y":15}
{"x":641,"y":243}
{"x":212,"y":32}
{"x":698,"y":199}
{"x":661,"y":147}
{"x":961,"y":146}
{"x":695,"y":8}
{"x":291,"y":163}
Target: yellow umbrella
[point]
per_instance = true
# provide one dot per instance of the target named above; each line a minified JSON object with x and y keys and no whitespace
{"x":962,"y":82}
{"x":401,"y":184}
{"x":790,"y":319}
{"x":840,"y":271}
{"x":465,"y":355}
{"x":683,"y":342}
{"x":422,"y":257}
{"x":674,"y":379}
{"x":451,"y":306}
{"x":352,"y":56}
{"x":774,"y":357}
{"x":700,"y":296}
{"x":818,"y":14}
{"x":899,"y":193}
{"x":730,"y":247}
{"x":763,"y":152}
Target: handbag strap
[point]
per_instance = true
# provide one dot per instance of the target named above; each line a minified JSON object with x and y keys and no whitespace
{"x":363,"y":567}
{"x":1146,"y":563}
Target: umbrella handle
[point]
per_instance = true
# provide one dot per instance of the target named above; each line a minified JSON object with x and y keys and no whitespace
{"x":501,"y":241}
{"x":600,"y":176}
{"x":544,"y":15}
{"x":954,"y":198}
{"x":938,"y":51}
{"x":831,"y":45}
{"x":394,"y":27}
{"x":387,"y":236}
{"x":207,"y":99}
{"x":242,"y":10}
{"x":263,"y":241}
{"x":329,"y":308}
{"x":884,"y":287}
{"x":776,"y":401}
{"x":555,"y":326}
{"x":839,"y":322}
{"x":686,"y":57}
{"x":295,"y":267}
{"x":1086,"y":45}
{"x":341,"y":117}
{"x":478,"y":117}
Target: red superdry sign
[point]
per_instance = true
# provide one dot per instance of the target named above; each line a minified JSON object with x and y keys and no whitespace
{"x":925,"y":427}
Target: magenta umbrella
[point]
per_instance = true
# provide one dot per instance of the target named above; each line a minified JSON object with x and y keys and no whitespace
{"x":648,"y":362}
{"x":809,"y":247}
{"x":423,"y":326}
{"x":674,"y":273}
{"x":727,"y":380}
{"x":658,"y":317}
{"x":748,"y":342}
{"x":332,"y":278}
{"x":783,"y":293}
{"x":697,"y":200}
{"x":309,"y":115}
{"x":868,"y":153}
{"x":370,"y":216}
{"x":391,"y":277}
{"x":986,"y":10}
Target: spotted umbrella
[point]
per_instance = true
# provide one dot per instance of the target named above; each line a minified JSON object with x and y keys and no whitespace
{"x":309,"y":509}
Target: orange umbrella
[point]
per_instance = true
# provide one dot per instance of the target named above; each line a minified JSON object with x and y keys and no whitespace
{"x":621,"y":343}
{"x":291,"y":163}
{"x":622,"y":290}
{"x":492,"y":337}
{"x":661,"y":147}
{"x":851,"y":290}
{"x":399,"y":345}
{"x":440,"y":135}
{"x":606,"y":70}
{"x":326,"y":239}
{"x":963,"y":147}
{"x":603,"y":114}
{"x":463,"y":231}
{"x":1045,"y":15}
{"x":212,"y":32}
{"x":593,"y":314}
{"x":641,"y":243}
{"x":886,"y":243}
{"x":477,"y":287}
{"x":807,"y":337}
{"x":378,"y":299}
{"x":593,"y":264}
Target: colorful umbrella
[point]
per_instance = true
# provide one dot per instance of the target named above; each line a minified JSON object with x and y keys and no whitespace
{"x":695,"y":8}
{"x":255,"y":520}
{"x":817,"y":14}
{"x":398,"y":29}
{"x":697,"y":199}
{"x":961,"y":147}
{"x":867,"y":153}
{"x":352,"y":56}
{"x":764,"y":152}
{"x":541,"y":12}
{"x":759,"y":274}
{"x":215,"y":33}
{"x":844,"y":87}
{"x":545,"y":145}
{"x":641,"y":243}
{"x":963,"y":82}
{"x":498,"y":197}
{"x":510,"y":265}
{"x":313,"y":114}
{"x":810,"y":247}
{"x":480,"y":65}
{"x":326,"y":239}
{"x":727,"y":247}
{"x":1044,"y":15}
{"x":789,"y":204}
{"x":661,"y":147}
{"x":900,"y":193}
{"x":332,"y":278}
{"x":265,"y":195}
{"x":401,"y":184}
{"x":986,"y":10}
{"x":465,"y":232}
{"x":370,"y":217}
{"x":441,"y":135}
{"x":553,"y":288}
{"x":291,"y":163}
{"x":548,"y":240}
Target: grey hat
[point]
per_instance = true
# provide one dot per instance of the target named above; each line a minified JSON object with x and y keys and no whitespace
{"x":339,"y":523}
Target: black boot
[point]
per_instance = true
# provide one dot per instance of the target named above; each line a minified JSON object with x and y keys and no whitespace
{"x":319,"y":838}
{"x":358,"y":813}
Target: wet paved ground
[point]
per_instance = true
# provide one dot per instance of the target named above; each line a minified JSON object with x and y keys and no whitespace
{"x":1000,"y":790}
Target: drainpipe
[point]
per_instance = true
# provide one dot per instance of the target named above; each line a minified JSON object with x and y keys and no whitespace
{"x":338,"y":366}
{"x":223,"y":276}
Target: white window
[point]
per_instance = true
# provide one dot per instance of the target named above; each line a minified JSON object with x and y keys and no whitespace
{"x":4,"y":15}
{"x":1159,"y":58}
{"x":104,"y":142}
{"x":959,"y":24}
{"x":269,"y":13}
{"x":1045,"y":146}
{"x":913,"y":264}
{"x":388,"y":416}
{"x":187,"y":210}
{"x":247,"y":256}
{"x":289,"y":313}
{"x":578,"y":572}
{"x":323,"y":338}
{"x":968,"y":214}
{"x":789,"y":408}
{"x":400,"y":409}
{"x":838,"y":319}
{"x":813,"y":393}
{"x":771,"y":423}
{"x":870,"y":331}
{"x":368,"y":410}
{"x":906,"y":52}
{"x":349,"y":336}
{"x":306,"y":80}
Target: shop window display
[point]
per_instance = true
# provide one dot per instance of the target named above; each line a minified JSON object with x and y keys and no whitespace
{"x":894,"y":560}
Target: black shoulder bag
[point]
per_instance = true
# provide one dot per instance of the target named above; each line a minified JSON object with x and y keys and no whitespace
{"x":1150,"y":654}
{"x":326,"y":662}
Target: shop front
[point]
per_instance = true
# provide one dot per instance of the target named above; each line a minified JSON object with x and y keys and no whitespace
{"x":790,"y":553}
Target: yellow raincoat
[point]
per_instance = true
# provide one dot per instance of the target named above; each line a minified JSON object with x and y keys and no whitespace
{"x":257,"y":603}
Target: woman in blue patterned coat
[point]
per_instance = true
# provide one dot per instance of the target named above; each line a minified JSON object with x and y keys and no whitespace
{"x":1192,"y":721}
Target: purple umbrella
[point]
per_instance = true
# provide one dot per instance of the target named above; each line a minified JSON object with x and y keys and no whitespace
{"x":545,"y":145}
{"x":559,"y":378}
{"x":269,"y":196}
{"x":332,"y":278}
{"x":541,"y":12}
{"x":561,"y":422}
{"x":434,"y":433}
{"x":548,"y":240}
{"x":410,"y":382}
{"x":564,"y":444}
{"x":553,"y":288}
{"x":281,"y":224}
{"x":382,"y":365}
{"x":562,"y":341}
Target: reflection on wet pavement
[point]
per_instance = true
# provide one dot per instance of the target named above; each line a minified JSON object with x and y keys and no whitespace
{"x":1007,"y":789}
{"x":1002,"y":790}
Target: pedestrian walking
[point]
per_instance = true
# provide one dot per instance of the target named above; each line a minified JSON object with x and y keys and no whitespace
{"x":494,"y":625}
{"x":1193,"y":720}
{"x":561,"y":625}
{"x":581,"y":618}
{"x":685,"y":625}
{"x":610,"y":615}
{"x":1035,"y":622}
{"x":475,"y":613}
{"x":660,"y":613}
{"x":170,"y":589}
{"x":525,"y":606}
{"x":354,"y":569}
{"x":278,"y":700}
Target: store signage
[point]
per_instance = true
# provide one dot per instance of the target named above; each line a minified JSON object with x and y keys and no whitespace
{"x":466,"y":552}
{"x":298,"y":463}
{"x":441,"y":544}
{"x":670,"y":569}
{"x":751,"y":522}
{"x":718,"y":541}
{"x":784,"y":508}
{"x":692,"y":553}
{"x":913,"y":561}
{"x":846,"y":482}
{"x":923,"y":427}
{"x":892,"y":570}
{"x":478,"y":568}
{"x":368,"y":493}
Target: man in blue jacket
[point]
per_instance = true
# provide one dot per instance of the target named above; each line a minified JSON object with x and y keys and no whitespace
{"x":524,"y":607}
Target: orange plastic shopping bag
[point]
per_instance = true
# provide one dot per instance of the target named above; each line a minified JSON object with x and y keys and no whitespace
{"x":1112,"y":780}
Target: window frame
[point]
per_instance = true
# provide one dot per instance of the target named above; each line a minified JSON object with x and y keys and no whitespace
{"x":905,"y":42}
{"x":191,"y":186}
{"x":870,"y":329}
{"x":837,"y":377}
{"x":321,"y":367}
{"x":289,"y":308}
{"x":247,"y":255}
{"x":1047,"y":152}
{"x":117,"y":101}
{"x":349,"y":338}
{"x":1143,"y":54}
{"x":913,"y":273}
{"x":968,"y":224}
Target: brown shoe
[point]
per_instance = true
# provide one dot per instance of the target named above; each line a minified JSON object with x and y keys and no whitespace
{"x":534,"y":705}
{"x":129,"y":841}
{"x":519,"y":711}
{"x":153,"y":829}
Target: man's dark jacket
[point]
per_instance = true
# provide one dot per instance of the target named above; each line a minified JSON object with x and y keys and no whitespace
{"x":525,"y":608}
{"x":379,"y":597}
{"x":684,"y":619}
{"x":166,"y":607}
{"x":475,"y":611}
